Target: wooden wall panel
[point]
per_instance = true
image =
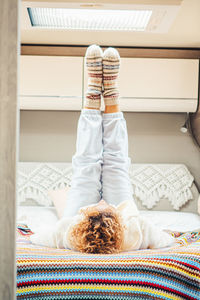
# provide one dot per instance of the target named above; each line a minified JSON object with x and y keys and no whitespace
{"x":8,"y":119}
{"x":143,"y":52}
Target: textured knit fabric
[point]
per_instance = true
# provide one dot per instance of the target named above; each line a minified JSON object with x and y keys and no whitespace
{"x":173,"y":273}
{"x":101,"y":162}
{"x":93,"y":59}
{"x":111,"y":63}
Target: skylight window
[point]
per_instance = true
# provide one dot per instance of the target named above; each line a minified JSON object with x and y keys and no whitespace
{"x":89,"y":19}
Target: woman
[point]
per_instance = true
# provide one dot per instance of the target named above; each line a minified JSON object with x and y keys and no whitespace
{"x":100,"y":215}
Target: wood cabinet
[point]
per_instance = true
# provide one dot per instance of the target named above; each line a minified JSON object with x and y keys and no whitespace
{"x":145,"y":84}
{"x":51,"y":82}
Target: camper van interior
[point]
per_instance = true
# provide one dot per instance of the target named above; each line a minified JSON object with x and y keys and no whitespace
{"x":44,"y":53}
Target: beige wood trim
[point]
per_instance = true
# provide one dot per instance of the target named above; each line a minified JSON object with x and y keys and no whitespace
{"x":140,"y":2}
{"x":9,"y":50}
{"x":124,"y":52}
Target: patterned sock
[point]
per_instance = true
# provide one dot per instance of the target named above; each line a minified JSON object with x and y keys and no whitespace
{"x":94,"y":66}
{"x":111,"y":63}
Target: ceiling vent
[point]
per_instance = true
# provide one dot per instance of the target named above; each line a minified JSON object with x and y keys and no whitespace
{"x":102,"y":17}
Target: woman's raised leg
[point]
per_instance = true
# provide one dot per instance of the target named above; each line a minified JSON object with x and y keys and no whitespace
{"x":87,"y":161}
{"x":116,"y":185}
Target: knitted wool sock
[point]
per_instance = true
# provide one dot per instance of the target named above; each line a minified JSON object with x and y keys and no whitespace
{"x":111,"y":63}
{"x":93,"y":58}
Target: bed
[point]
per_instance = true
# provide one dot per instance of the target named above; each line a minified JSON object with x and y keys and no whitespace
{"x":165,"y":193}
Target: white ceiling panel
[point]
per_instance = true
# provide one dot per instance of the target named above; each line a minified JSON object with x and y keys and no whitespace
{"x":183,"y":30}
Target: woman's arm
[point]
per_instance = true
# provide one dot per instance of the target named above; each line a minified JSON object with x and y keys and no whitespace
{"x":53,"y":237}
{"x":153,"y":236}
{"x":45,"y":236}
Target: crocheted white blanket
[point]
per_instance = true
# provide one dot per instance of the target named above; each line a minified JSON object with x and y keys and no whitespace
{"x":155,"y":181}
{"x":151,"y":182}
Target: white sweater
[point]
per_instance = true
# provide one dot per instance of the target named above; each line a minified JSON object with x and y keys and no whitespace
{"x":139,"y":233}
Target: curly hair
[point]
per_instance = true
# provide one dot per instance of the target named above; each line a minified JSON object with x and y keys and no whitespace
{"x":98,"y":232}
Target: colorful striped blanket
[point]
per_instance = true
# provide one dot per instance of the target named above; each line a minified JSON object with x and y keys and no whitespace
{"x":170,"y":273}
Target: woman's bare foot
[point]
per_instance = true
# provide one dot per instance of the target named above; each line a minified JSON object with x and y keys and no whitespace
{"x":111,"y":109}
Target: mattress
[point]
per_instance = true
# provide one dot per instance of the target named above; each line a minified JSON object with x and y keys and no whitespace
{"x":170,"y":273}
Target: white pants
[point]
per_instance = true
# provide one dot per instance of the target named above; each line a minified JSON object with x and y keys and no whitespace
{"x":101,"y":163}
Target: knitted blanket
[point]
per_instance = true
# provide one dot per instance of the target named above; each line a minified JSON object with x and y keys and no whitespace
{"x":170,"y":273}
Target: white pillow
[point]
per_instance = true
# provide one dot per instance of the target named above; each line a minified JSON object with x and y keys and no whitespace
{"x":59,"y":199}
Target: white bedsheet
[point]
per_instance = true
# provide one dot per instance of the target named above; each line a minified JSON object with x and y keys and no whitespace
{"x":177,"y":221}
{"x":35,"y":216}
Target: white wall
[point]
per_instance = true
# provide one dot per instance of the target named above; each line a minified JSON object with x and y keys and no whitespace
{"x":153,"y":138}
